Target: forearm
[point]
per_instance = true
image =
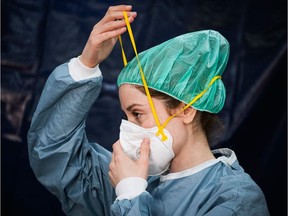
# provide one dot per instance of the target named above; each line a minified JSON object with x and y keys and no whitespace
{"x":64,"y":103}
{"x":57,"y":127}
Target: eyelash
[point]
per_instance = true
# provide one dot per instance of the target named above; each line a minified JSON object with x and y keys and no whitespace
{"x":136,"y":114}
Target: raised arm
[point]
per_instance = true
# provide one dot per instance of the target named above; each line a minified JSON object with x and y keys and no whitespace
{"x":60,"y":155}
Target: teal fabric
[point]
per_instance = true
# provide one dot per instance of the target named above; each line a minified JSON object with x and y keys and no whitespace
{"x":182,"y":67}
{"x":76,"y":170}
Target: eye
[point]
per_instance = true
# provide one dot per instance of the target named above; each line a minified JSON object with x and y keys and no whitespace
{"x":136,"y":114}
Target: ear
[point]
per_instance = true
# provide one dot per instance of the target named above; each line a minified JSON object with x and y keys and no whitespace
{"x":188,"y":114}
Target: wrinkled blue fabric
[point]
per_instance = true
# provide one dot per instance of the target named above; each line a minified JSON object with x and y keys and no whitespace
{"x":76,"y":170}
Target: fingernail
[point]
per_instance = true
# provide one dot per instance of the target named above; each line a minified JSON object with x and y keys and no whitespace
{"x":146,"y":140}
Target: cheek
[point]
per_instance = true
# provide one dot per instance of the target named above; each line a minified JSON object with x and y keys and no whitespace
{"x":162,"y":112}
{"x":148,"y":121}
{"x":177,"y":131}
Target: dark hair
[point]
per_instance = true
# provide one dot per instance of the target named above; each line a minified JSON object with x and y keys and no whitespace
{"x":210,"y":122}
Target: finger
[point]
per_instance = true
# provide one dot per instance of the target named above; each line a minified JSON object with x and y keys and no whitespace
{"x":112,"y":159}
{"x":117,"y":148}
{"x":118,"y":15}
{"x":110,"y":26}
{"x":107,"y":36}
{"x":111,"y":168}
{"x":116,"y":12}
{"x":145,"y":150}
{"x":120,"y":7}
{"x":112,"y":179}
{"x":109,"y":30}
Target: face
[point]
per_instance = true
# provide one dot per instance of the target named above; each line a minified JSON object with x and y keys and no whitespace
{"x":137,"y":109}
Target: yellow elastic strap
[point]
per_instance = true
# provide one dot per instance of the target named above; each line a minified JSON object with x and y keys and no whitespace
{"x":123,"y":53}
{"x":160,"y":131}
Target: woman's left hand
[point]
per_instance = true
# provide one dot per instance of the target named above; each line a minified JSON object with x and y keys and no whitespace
{"x":121,"y":166}
{"x":105,"y":33}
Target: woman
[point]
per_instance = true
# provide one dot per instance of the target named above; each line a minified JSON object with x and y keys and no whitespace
{"x":162,"y":163}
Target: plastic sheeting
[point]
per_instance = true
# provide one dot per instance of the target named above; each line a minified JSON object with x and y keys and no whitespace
{"x":39,"y":35}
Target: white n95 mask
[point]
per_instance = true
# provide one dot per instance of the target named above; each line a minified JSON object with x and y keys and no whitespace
{"x":161,"y":152}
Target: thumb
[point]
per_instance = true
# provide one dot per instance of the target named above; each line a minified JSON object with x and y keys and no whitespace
{"x":145,"y":149}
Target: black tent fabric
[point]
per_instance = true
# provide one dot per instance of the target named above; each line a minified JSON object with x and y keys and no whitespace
{"x":36,"y":36}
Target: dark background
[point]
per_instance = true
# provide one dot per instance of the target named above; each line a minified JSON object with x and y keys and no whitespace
{"x":38,"y":35}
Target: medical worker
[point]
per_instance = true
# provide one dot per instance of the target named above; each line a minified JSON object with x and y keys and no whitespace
{"x":162,"y":163}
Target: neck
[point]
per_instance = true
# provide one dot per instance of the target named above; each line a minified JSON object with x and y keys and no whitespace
{"x":194,"y":151}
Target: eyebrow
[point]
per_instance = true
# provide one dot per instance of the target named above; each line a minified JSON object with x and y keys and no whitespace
{"x":129,"y":108}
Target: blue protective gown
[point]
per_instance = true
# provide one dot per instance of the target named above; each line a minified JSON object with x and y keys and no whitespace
{"x":76,"y":171}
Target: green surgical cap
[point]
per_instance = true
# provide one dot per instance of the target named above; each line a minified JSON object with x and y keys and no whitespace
{"x":183,"y":67}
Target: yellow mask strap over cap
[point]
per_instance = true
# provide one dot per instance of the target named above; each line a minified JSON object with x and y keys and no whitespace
{"x":160,"y":127}
{"x":164,"y":137}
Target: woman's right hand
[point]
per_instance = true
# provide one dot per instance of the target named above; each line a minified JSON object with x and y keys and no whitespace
{"x":104,"y":35}
{"x":121,"y":166}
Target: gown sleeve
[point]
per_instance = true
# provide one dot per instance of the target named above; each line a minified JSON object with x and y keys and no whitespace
{"x":138,"y":206}
{"x":60,"y":155}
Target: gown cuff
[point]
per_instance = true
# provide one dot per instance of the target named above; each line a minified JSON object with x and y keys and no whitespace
{"x":78,"y":71}
{"x":130,"y":187}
